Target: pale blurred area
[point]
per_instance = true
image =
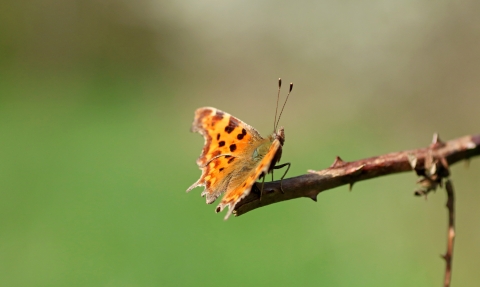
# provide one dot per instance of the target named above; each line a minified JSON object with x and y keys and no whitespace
{"x":96,"y":100}
{"x":408,"y":63}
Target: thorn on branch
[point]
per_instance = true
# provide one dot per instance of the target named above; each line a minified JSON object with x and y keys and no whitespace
{"x":437,"y":142}
{"x":434,"y":170}
{"x":421,"y":192}
{"x":338,"y":162}
{"x":412,"y":159}
{"x":357,"y":171}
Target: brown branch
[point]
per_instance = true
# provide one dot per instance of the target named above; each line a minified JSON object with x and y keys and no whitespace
{"x":451,"y":233}
{"x":341,"y":172}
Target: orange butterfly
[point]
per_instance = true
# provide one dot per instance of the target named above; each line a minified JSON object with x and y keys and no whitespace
{"x":234,"y":155}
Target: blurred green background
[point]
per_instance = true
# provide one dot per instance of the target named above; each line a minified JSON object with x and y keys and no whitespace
{"x":96,"y":102}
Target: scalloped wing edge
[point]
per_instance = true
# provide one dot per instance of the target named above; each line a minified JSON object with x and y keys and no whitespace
{"x":210,"y":197}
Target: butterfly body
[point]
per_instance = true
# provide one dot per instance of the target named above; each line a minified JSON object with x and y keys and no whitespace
{"x":234,"y":156}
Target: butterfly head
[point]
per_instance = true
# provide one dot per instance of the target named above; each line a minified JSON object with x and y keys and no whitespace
{"x":279,"y":135}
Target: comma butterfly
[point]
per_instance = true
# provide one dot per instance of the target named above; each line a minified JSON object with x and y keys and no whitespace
{"x":235,"y":155}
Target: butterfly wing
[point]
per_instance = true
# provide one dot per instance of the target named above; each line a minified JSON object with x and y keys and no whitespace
{"x":229,"y":144}
{"x":241,"y":185}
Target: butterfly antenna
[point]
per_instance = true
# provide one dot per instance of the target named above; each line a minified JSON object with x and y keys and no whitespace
{"x":289,"y":91}
{"x":276,"y":109}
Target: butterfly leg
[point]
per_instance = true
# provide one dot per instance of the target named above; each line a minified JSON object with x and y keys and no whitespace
{"x":281,"y":179}
{"x":261,"y":189}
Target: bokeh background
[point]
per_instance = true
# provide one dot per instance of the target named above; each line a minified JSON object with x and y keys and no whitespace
{"x":96,"y":101}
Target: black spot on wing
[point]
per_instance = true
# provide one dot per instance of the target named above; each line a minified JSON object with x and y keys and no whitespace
{"x":233,"y":147}
{"x":222,"y":143}
{"x":230,"y":160}
{"x":218,"y":137}
{"x":231,"y":126}
{"x":242,"y":135}
{"x":221,"y":169}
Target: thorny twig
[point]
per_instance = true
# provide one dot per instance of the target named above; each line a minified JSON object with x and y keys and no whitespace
{"x":431,"y":163}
